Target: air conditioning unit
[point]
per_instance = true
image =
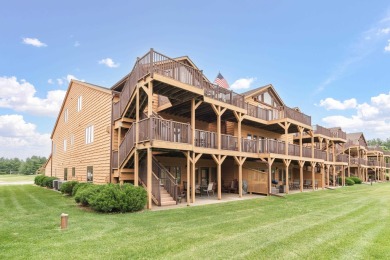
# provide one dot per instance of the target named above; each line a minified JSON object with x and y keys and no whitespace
{"x":55,"y":184}
{"x":60,"y":182}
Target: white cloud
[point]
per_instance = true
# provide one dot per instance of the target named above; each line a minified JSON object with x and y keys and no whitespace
{"x":243,"y":83}
{"x":19,"y":138}
{"x":34,"y":42}
{"x":20,"y":96}
{"x":109,"y":63}
{"x":387,"y":47}
{"x":60,"y":82}
{"x":50,"y":81}
{"x":331,"y":103}
{"x":384,"y":31}
{"x":373,"y":118}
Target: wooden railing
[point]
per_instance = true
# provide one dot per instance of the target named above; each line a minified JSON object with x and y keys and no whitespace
{"x":293,"y":150}
{"x":164,"y":130}
{"x":156,"y":189}
{"x":338,"y":134}
{"x":127,"y":144}
{"x":249,"y":146}
{"x":322,"y":130}
{"x":295,"y":115}
{"x":306,"y":152}
{"x":229,"y":142}
{"x":372,"y":163}
{"x":258,"y":112}
{"x":320,"y":154}
{"x":205,"y":139}
{"x":114,"y":159}
{"x":342,"y":158}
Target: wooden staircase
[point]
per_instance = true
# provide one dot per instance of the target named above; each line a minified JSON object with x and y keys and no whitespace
{"x":166,"y":198}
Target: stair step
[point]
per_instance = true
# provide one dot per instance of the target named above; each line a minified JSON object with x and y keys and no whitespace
{"x":165,"y":196}
{"x":168,"y":203}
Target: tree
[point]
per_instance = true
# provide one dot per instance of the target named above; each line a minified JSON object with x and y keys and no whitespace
{"x":31,"y":165}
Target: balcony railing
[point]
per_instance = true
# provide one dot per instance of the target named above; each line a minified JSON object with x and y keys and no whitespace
{"x":127,"y":144}
{"x":338,"y":134}
{"x":164,"y":130}
{"x":249,"y":146}
{"x":342,"y":158}
{"x":319,"y":154}
{"x":321,"y":130}
{"x":229,"y":142}
{"x":205,"y":139}
{"x":373,"y":163}
{"x":293,"y":114}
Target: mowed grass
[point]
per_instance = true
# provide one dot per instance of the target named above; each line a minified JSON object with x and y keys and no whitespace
{"x":16,"y":177}
{"x":346,"y":223}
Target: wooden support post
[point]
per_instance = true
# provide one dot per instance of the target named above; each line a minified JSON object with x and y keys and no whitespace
{"x":286,"y":163}
{"x":270,"y":162}
{"x":301,"y":164}
{"x":322,"y":175}
{"x":328,"y":175}
{"x":188,"y":177}
{"x":136,"y":167}
{"x":334,"y":175}
{"x":343,"y":174}
{"x":239,"y":117}
{"x":149,"y":177}
{"x":313,"y":167}
{"x":219,"y":112}
{"x":219,"y":160}
{"x":193,"y":178}
{"x":194,"y":106}
{"x":150,"y":99}
{"x":119,"y":142}
{"x":300,"y":129}
{"x":240,"y":161}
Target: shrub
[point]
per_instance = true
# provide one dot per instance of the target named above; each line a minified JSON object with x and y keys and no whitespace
{"x":107,"y":200}
{"x":349,"y":181}
{"x":356,"y":179}
{"x":48,"y":182}
{"x":84,"y":195}
{"x":80,"y":186}
{"x":38,"y":179}
{"x":116,"y":198}
{"x":67,"y":187}
{"x":134,"y":198}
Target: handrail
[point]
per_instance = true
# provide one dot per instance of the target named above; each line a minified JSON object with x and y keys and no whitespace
{"x":229,"y":142}
{"x":127,"y":144}
{"x":166,"y":178}
{"x":249,"y":146}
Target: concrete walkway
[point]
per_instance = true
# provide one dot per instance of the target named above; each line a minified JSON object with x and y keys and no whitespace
{"x":16,"y":183}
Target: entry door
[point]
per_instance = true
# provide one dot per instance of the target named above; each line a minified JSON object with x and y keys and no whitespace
{"x":204,"y":176}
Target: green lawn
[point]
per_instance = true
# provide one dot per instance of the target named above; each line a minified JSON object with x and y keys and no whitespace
{"x":16,"y":177}
{"x":348,"y":223}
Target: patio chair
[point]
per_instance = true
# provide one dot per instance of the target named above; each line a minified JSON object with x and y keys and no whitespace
{"x":209,"y":189}
{"x":234,"y":186}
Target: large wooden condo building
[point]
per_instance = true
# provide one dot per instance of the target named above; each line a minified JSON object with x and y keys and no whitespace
{"x":166,"y":127}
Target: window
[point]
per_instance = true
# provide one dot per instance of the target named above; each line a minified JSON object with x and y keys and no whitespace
{"x":71,"y":139}
{"x":89,"y":134}
{"x":65,"y":174}
{"x":79,"y":103}
{"x":73,"y":172}
{"x":64,"y":145}
{"x":249,"y":137}
{"x":90,"y":173}
{"x":66,"y":115}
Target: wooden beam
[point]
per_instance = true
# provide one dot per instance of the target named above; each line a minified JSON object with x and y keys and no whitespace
{"x":150,"y":99}
{"x":136,"y":167}
{"x":270,"y":162}
{"x":313,"y":166}
{"x":188,"y":176}
{"x":301,"y":164}
{"x":149,"y":177}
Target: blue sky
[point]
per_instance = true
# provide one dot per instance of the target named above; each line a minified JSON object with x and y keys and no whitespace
{"x":329,"y":58}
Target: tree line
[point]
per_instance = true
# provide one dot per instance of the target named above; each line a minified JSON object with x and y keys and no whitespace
{"x":385,"y":144}
{"x":17,"y":166}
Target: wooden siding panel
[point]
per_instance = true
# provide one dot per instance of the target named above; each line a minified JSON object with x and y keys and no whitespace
{"x":96,"y":111}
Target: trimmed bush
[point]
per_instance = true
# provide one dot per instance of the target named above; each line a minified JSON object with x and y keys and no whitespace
{"x":85,"y":194}
{"x":349,"y":181}
{"x":356,"y":179}
{"x":80,"y":185}
{"x":116,"y":198}
{"x":38,"y":179}
{"x":48,"y":182}
{"x":67,"y":187}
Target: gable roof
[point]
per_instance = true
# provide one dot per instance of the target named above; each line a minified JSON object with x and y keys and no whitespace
{"x":85,"y":84}
{"x":256,"y":91}
{"x":356,"y":136}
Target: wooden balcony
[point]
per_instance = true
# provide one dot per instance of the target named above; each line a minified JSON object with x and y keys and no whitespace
{"x":339,"y":134}
{"x":321,"y":130}
{"x":342,"y":158}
